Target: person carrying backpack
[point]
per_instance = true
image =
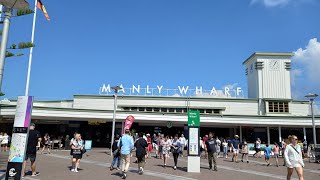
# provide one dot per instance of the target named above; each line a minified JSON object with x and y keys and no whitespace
{"x":116,"y":154}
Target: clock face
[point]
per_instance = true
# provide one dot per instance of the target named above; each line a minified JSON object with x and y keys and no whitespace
{"x":274,"y":65}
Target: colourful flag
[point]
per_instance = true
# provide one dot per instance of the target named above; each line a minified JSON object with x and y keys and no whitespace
{"x":42,"y":8}
{"x":129,"y":122}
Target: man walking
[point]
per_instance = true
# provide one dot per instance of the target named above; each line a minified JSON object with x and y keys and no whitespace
{"x":211,"y":148}
{"x":141,"y":145}
{"x":235,"y":146}
{"x":183,"y":143}
{"x":31,"y":153}
{"x":126,"y":145}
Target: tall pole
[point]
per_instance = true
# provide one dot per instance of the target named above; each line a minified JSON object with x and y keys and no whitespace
{"x":313,"y":124}
{"x":31,"y":49}
{"x":4,"y":41}
{"x":114,"y":119}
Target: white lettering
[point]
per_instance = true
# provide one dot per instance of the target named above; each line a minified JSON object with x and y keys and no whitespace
{"x":159,"y":88}
{"x":226,"y":91}
{"x":238,"y":91}
{"x":148,"y":90}
{"x":134,"y":88}
{"x":105,"y":89}
{"x":122,"y":89}
{"x":183,"y":90}
{"x":198,"y":91}
{"x":214,"y":91}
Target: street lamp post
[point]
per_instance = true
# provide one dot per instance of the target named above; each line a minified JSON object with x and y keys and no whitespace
{"x":116,"y":90}
{"x":311,"y":97}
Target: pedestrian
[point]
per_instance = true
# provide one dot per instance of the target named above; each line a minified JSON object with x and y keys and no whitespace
{"x":4,"y":142}
{"x":160,"y":140}
{"x":141,"y":146}
{"x":183,"y":143}
{"x":176,"y":149}
{"x":70,"y":144}
{"x":116,"y":153}
{"x":149,"y":141}
{"x":293,"y":156}
{"x":165,"y":150}
{"x":47,"y":140}
{"x":1,"y":138}
{"x":155,"y":143}
{"x":31,"y":153}
{"x":284,"y":145}
{"x":245,"y":150}
{"x":229,"y":141}
{"x":205,"y":138}
{"x":201,"y":146}
{"x":219,"y":146}
{"x":225,"y":149}
{"x":126,"y":145}
{"x":276,"y":151}
{"x":211,"y":148}
{"x":267,"y":152}
{"x":257,"y":146}
{"x":305,"y":148}
{"x":235,"y":146}
{"x":77,"y":148}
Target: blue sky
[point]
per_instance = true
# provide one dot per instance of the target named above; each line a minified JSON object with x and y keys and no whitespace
{"x":167,"y":42}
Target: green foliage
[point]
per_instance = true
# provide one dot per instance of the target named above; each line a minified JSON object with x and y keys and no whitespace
{"x":23,"y":12}
{"x":9,"y":54}
{"x":2,"y":94}
{"x":19,"y":54}
{"x":13,"y":46}
{"x":24,"y":45}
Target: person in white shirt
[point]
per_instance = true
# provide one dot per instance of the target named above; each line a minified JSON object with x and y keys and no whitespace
{"x":182,"y":140}
{"x":293,"y":158}
{"x":4,"y":142}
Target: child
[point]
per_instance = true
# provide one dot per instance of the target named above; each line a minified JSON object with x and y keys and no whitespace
{"x":267,"y":152}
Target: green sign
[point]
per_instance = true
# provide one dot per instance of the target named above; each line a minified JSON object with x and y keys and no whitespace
{"x":193,"y":118}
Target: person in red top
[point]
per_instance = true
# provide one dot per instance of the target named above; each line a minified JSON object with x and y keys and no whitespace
{"x":149,"y":149}
{"x":204,"y":142}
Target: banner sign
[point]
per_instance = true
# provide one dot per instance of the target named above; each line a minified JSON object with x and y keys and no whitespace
{"x":129,"y":122}
{"x":19,"y":139}
{"x":88,"y":144}
{"x":193,"y":118}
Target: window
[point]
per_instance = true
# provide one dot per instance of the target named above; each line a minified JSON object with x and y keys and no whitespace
{"x":164,"y":110}
{"x":156,"y":109}
{"x":216,"y":111}
{"x":201,"y":111}
{"x":141,"y":108}
{"x":171,"y":109}
{"x":149,"y":109}
{"x":126,"y":109}
{"x":133,"y":108}
{"x":278,"y":107}
{"x":209,"y":111}
{"x":179,"y":110}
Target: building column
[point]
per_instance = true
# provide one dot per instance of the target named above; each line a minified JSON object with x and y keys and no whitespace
{"x":122,"y":127}
{"x":280,"y":139}
{"x":240,"y":133}
{"x":304,"y":133}
{"x":268,"y":135}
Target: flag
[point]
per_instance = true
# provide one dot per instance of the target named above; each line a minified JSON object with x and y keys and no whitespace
{"x":129,"y":122}
{"x":42,"y":8}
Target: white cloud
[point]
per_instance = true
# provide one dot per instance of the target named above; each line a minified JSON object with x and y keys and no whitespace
{"x":306,"y":69}
{"x":271,"y":3}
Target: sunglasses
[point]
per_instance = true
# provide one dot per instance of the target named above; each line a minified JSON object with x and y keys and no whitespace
{"x":295,"y":139}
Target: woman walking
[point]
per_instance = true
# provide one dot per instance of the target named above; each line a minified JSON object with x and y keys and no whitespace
{"x":276,"y":151}
{"x":165,"y":150}
{"x":176,"y":150}
{"x":149,"y":150}
{"x":46,"y":143}
{"x":141,"y":146}
{"x":293,"y":157}
{"x":116,"y":154}
{"x":77,"y":147}
{"x":245,"y":150}
{"x":225,"y":148}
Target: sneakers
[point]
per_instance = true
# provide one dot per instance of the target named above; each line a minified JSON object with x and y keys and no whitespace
{"x":118,"y":168}
{"x":72,"y":170}
{"x":140,"y":171}
{"x":124,"y":176}
{"x":175,"y":167}
{"x":111,"y":168}
{"x":36,"y":174}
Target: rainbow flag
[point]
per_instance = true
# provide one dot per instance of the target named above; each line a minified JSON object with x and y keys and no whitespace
{"x":42,"y":8}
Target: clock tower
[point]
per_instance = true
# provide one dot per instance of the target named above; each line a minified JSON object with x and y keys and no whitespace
{"x":268,"y":76}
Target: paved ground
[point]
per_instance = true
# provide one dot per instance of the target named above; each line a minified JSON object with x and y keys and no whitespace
{"x":95,"y":165}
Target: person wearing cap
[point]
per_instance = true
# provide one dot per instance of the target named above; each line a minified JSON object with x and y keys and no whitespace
{"x":31,"y":153}
{"x":235,"y":146}
{"x":126,"y":146}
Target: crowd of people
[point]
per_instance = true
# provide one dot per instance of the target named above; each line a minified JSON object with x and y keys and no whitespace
{"x":4,"y":141}
{"x":162,"y":147}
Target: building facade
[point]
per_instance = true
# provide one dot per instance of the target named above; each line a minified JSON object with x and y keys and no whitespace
{"x":269,"y":112}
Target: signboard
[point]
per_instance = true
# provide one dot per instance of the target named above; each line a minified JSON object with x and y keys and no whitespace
{"x":193,"y":143}
{"x":88,"y":144}
{"x":169,"y":124}
{"x":19,"y":137}
{"x":193,"y":118}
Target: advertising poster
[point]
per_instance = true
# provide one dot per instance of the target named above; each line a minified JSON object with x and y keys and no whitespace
{"x":88,"y":144}
{"x":193,"y":141}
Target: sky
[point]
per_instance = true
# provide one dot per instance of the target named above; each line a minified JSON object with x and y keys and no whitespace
{"x":160,"y":42}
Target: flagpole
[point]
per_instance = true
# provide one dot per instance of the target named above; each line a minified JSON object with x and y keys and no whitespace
{"x":31,"y":49}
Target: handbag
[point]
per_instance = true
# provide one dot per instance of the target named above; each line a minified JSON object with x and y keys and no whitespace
{"x":83,"y":151}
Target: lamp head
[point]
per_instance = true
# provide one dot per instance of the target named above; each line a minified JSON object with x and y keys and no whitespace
{"x":311,"y":96}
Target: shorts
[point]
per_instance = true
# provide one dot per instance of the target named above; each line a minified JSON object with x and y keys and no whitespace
{"x":32,"y":157}
{"x":267,"y":157}
{"x":236,"y":151}
{"x":294,"y":164}
{"x":276,"y":155}
{"x":258,"y":149}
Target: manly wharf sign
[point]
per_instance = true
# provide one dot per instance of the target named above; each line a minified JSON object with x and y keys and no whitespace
{"x":160,"y":90}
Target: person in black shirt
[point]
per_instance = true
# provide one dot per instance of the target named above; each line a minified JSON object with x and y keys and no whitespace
{"x":211,"y":148}
{"x":33,"y":139}
{"x":141,"y":145}
{"x":116,"y":154}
